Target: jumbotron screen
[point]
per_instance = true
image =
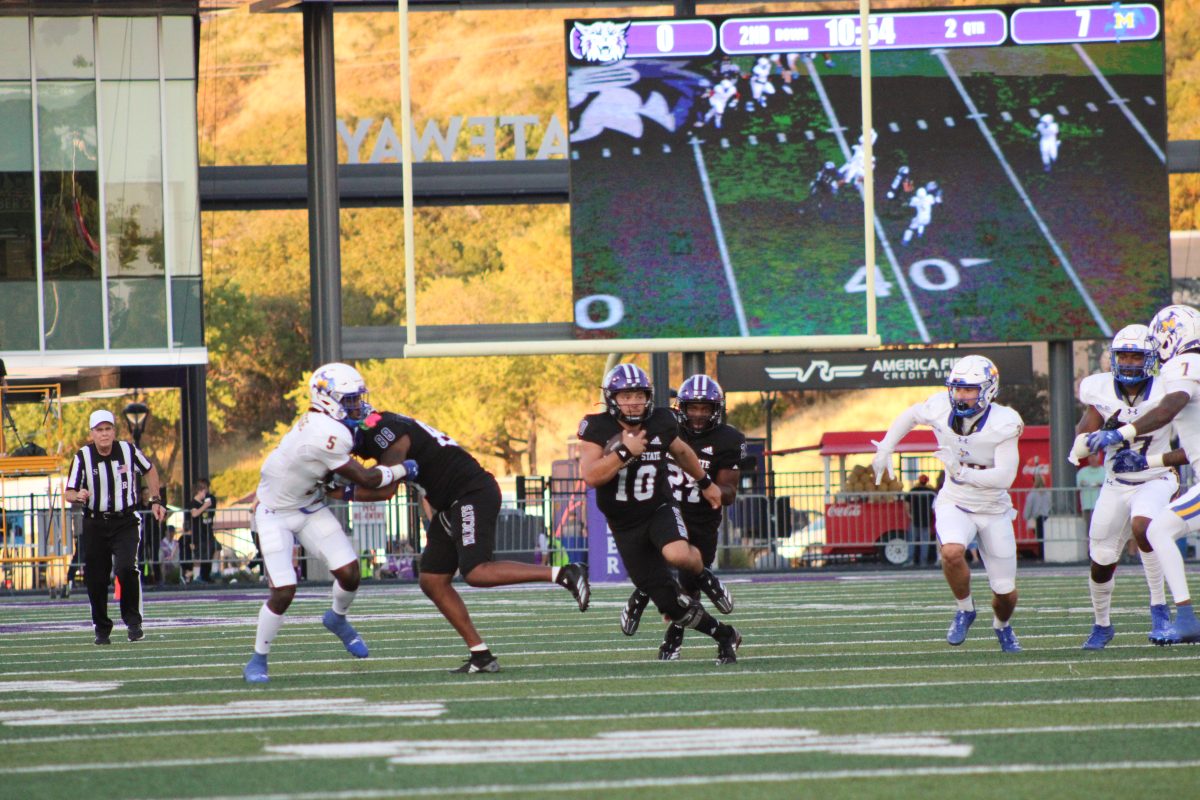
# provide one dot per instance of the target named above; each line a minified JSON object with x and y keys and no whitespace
{"x":1020,"y":174}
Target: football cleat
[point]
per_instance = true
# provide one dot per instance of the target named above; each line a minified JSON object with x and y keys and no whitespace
{"x":1008,"y":639}
{"x":135,"y":634}
{"x":478,"y":662}
{"x":339,"y":626}
{"x":958,"y":628}
{"x":1100,"y":636}
{"x":255,"y":670}
{"x":716,"y":591}
{"x":727,"y":646}
{"x":1186,"y":627}
{"x":673,"y":643}
{"x":574,"y":578}
{"x":1160,"y":625}
{"x":631,"y":614}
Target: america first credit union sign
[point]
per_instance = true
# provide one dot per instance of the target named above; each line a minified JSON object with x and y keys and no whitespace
{"x":757,"y":372}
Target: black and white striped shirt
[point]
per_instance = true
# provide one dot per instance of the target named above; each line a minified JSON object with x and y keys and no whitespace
{"x":110,"y":479}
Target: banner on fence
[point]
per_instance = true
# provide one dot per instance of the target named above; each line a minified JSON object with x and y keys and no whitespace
{"x":604,"y":563}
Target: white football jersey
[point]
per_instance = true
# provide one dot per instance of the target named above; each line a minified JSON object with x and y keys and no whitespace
{"x":1182,"y":374}
{"x":761,"y":71}
{"x":924,"y":208}
{"x":976,"y":449}
{"x":1048,"y":130}
{"x":294,"y":471}
{"x":722,"y":93}
{"x":1101,"y":393}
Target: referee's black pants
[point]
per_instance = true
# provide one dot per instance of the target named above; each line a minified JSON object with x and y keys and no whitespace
{"x":108,"y":543}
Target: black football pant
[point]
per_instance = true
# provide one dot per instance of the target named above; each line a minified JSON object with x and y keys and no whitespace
{"x":109,"y":543}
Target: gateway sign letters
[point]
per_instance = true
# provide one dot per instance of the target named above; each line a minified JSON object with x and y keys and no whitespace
{"x":862,"y":370}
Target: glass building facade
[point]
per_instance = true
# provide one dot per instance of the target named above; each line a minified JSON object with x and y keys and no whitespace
{"x":99,"y":203}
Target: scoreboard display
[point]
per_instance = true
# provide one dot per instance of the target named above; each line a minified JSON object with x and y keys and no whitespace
{"x":1019,"y":174}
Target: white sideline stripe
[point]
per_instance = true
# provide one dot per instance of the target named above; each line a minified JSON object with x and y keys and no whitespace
{"x":367,"y":723}
{"x":1133,"y":120}
{"x":735,"y":296}
{"x":897,"y":273}
{"x":671,"y":781}
{"x":191,"y":730}
{"x":732,"y":778}
{"x":1105,"y":328}
{"x":705,"y":668}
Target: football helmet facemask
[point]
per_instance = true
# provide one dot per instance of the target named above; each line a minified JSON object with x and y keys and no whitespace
{"x":695,"y":390}
{"x":339,"y":391}
{"x":973,"y":372}
{"x":624,"y":377}
{"x":1133,"y":339}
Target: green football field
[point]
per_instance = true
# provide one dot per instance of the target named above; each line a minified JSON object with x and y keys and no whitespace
{"x":845,"y":687}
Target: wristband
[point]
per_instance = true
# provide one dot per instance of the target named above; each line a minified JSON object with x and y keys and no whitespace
{"x":623,"y":453}
{"x":154,"y":500}
{"x":387,"y":475}
{"x":1127,"y":432}
{"x":704,"y":483}
{"x":1153,"y":462}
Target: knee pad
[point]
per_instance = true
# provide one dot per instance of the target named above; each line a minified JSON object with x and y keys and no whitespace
{"x":1002,"y":585}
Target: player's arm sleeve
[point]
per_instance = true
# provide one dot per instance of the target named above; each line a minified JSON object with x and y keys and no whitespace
{"x":901,"y":425}
{"x":1000,"y":476}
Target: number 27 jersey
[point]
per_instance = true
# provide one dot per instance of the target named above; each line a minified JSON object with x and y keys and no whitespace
{"x":1101,"y":393}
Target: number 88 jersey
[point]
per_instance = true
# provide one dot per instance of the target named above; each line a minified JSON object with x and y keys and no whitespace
{"x":641,"y":485}
{"x":1102,"y":393}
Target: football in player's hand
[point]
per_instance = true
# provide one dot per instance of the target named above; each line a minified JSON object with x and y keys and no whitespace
{"x":613,"y":443}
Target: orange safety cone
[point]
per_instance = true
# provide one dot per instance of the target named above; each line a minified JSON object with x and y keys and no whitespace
{"x":117,"y":590}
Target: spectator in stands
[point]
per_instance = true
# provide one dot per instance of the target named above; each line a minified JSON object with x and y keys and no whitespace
{"x":920,"y":512}
{"x":168,"y":554}
{"x":1089,"y":479}
{"x":201,"y":511}
{"x":1037,"y":507}
{"x":153,"y":531}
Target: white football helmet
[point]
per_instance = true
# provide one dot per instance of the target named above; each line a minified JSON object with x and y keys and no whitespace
{"x":1047,"y":118}
{"x":969,"y":372}
{"x":339,"y":391}
{"x":1175,"y":329}
{"x":1133,"y":339}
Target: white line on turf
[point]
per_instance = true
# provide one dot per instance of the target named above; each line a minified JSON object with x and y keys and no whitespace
{"x":1064,"y":262}
{"x":735,"y":296}
{"x":1133,"y":120}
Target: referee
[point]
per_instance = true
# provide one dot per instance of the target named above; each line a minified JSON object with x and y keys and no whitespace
{"x":104,"y":479}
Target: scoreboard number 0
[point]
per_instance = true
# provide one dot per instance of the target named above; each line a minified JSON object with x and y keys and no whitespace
{"x":664,"y":38}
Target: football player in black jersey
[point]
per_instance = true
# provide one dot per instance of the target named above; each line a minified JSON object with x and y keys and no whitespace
{"x":700,"y":409}
{"x":623,"y":456}
{"x":465,"y":503}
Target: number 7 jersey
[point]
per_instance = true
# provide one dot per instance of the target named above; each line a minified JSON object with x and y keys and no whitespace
{"x":1101,"y":392}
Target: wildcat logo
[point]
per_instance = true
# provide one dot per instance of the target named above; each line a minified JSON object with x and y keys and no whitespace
{"x":827,"y":373}
{"x":603,"y":42}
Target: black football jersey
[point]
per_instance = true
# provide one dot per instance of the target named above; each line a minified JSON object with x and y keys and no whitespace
{"x":641,"y":485}
{"x":723,"y":447}
{"x":444,"y":470}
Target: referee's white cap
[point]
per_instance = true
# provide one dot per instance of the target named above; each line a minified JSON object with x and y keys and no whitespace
{"x":99,"y":417}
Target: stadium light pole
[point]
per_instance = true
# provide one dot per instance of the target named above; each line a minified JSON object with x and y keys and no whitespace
{"x":136,"y":414}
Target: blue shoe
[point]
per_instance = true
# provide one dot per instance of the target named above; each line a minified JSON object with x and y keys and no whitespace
{"x":958,"y":629}
{"x":1187,"y":627}
{"x":1008,"y":639}
{"x":1160,"y":625}
{"x":255,"y":670}
{"x":340,"y":627}
{"x":1101,"y":635}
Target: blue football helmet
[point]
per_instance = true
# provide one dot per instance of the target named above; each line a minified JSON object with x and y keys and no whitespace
{"x":973,"y":372}
{"x":339,"y":391}
{"x":624,"y":377}
{"x":1133,"y":339}
{"x":700,"y":389}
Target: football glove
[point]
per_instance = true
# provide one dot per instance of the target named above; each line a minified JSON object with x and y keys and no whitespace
{"x":1128,"y":460}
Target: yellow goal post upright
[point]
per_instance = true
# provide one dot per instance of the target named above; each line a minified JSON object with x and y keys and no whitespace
{"x":415,"y":349}
{"x":36,"y":545}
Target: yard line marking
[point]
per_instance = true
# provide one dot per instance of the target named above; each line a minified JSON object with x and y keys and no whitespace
{"x":752,"y":139}
{"x":1150,"y":100}
{"x":1007,"y":117}
{"x":238,"y":709}
{"x":1062,"y":111}
{"x":893,"y":127}
{"x":880,"y":234}
{"x":1092,"y":107}
{"x":669,"y":781}
{"x":949,"y":122}
{"x":922,"y":124}
{"x":735,"y":296}
{"x":637,"y":151}
{"x":1121,"y":103}
{"x":59,"y":687}
{"x":809,"y":135}
{"x":1105,"y":328}
{"x":781,"y":137}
